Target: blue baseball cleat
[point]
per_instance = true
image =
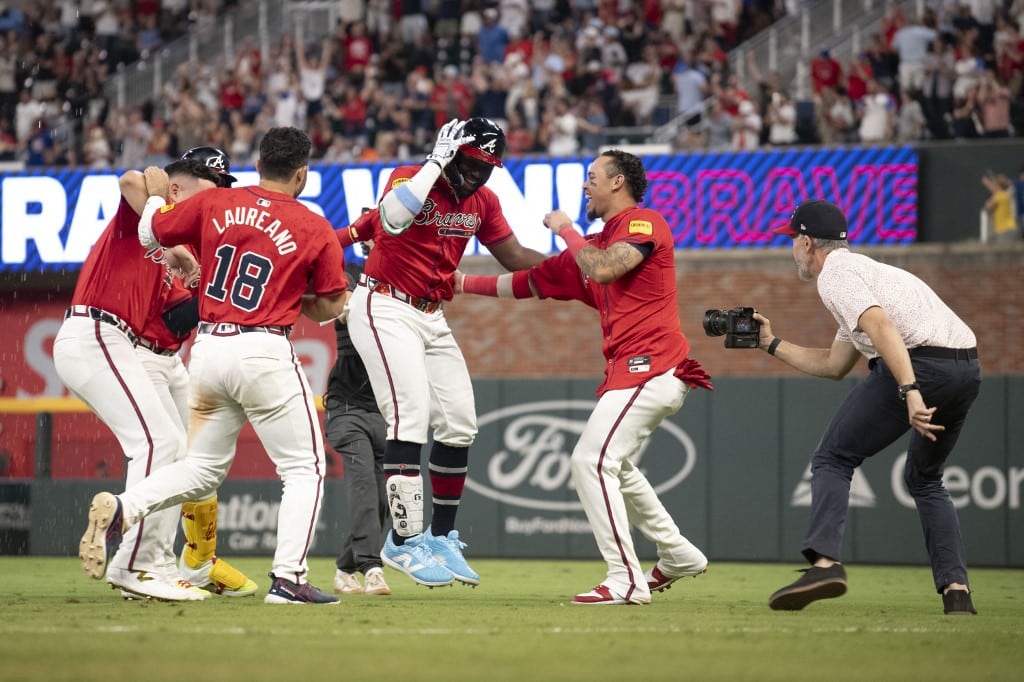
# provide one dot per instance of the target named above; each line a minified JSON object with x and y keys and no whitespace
{"x":447,"y":550}
{"x":416,"y":560}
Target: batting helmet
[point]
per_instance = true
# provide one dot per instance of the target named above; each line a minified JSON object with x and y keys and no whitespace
{"x":211,"y":157}
{"x":488,"y":144}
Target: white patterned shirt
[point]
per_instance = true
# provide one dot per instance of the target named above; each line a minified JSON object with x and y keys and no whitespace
{"x":850,"y":283}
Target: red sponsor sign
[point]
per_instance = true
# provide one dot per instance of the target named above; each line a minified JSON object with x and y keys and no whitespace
{"x":82,"y":446}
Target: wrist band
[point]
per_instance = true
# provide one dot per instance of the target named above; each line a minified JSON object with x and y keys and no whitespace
{"x":574,"y":241}
{"x":773,"y":345}
{"x":482,"y":285}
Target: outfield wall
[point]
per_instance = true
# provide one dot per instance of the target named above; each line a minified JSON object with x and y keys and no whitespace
{"x":732,"y":466}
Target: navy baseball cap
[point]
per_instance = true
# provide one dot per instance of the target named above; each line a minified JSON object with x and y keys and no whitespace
{"x":818,"y":218}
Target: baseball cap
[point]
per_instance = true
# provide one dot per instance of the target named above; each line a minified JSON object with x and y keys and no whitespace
{"x":817,"y":218}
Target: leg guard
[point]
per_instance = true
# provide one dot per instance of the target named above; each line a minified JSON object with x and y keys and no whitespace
{"x":199,"y":521}
{"x":405,"y":498}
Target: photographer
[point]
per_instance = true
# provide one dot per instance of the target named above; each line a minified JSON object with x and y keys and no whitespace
{"x":627,"y":272}
{"x":923,"y":374}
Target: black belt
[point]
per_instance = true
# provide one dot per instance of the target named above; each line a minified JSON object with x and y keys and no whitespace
{"x":944,"y":353}
{"x":150,"y":346}
{"x":383,"y":288}
{"x":232,"y":329}
{"x":102,"y":316}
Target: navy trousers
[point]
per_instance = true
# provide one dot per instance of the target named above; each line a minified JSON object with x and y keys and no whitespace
{"x":872,"y":417}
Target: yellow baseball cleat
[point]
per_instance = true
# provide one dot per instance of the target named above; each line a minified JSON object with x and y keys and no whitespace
{"x":219,"y":577}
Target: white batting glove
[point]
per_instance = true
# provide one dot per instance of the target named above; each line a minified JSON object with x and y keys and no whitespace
{"x":449,"y":139}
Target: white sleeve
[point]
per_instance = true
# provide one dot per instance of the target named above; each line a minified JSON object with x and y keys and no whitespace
{"x":146,"y":238}
{"x":400,"y":205}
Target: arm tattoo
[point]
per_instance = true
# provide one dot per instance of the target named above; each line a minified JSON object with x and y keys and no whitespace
{"x":616,"y":260}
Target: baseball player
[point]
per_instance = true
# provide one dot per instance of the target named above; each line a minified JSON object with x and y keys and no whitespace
{"x":261,"y":251}
{"x":427,"y":214}
{"x":95,"y":354}
{"x":627,"y":272}
{"x":157,"y":348}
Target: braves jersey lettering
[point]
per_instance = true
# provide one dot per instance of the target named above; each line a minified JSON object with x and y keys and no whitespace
{"x":261,"y":220}
{"x":255,"y":276}
{"x":448,"y":224}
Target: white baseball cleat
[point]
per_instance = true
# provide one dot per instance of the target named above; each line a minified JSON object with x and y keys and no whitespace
{"x":659,"y":580}
{"x":151,"y":585}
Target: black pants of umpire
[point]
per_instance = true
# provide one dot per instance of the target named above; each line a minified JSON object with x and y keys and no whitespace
{"x":358,"y":436}
{"x":872,"y":417}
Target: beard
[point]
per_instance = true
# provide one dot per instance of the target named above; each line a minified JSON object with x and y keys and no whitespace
{"x":591,"y":213}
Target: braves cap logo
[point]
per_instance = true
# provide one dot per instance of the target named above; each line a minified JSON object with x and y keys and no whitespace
{"x":217,"y":163}
{"x":490,"y":146}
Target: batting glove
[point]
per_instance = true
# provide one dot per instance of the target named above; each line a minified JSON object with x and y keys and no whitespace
{"x":449,"y":139}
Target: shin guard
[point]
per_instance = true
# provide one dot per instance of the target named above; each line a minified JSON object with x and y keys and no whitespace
{"x":199,"y":521}
{"x":405,"y":498}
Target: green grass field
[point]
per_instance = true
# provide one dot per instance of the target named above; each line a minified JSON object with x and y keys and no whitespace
{"x":519,"y":625}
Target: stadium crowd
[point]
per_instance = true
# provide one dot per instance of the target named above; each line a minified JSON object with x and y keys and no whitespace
{"x":556,"y":74}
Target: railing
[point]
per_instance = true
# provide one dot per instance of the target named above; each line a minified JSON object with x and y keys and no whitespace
{"x":787,"y":46}
{"x":264,"y":22}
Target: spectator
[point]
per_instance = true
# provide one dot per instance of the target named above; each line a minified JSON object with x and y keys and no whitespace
{"x":592,"y":126}
{"x":493,"y":38}
{"x":910,"y":122}
{"x":1000,"y":206}
{"x":691,"y":89}
{"x":561,"y":130}
{"x":716,"y":128}
{"x":857,"y":77}
{"x":966,"y":124}
{"x":781,"y":120}
{"x":883,"y":61}
{"x":836,"y":120}
{"x":746,"y":128}
{"x":826,"y":72}
{"x":413,"y":22}
{"x":911,"y":43}
{"x":1009,"y":54}
{"x":993,"y":106}
{"x":876,"y":113}
{"x":451,"y":97}
{"x":312,"y":75}
{"x":640,"y":85}
{"x":939,"y":73}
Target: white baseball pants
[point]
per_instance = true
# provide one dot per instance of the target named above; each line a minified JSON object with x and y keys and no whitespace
{"x":614,"y":493}
{"x":256,"y":377}
{"x":100,"y":365}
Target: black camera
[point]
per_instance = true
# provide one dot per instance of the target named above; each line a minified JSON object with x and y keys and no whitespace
{"x":738,"y":325}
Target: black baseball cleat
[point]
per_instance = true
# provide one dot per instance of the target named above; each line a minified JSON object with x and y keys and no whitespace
{"x":816,"y":583}
{"x":958,"y":603}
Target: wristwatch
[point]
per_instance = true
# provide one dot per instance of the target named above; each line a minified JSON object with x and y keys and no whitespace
{"x":907,"y":388}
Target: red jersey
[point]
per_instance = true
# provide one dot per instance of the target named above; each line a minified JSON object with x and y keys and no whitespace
{"x":639,"y":312}
{"x":119,"y":275}
{"x":259,"y":252}
{"x":422,"y":260}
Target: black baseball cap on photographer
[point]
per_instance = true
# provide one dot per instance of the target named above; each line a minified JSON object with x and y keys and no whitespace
{"x":818,"y":218}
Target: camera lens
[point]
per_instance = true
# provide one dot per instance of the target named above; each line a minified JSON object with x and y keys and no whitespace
{"x":715,"y":322}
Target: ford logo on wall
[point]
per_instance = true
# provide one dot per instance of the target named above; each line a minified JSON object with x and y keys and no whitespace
{"x":530,"y":466}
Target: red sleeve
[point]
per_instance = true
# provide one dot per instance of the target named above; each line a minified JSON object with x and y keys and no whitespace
{"x":494,"y":229}
{"x":643,"y":226}
{"x":328,"y":278}
{"x":560,"y":278}
{"x":180,"y":223}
